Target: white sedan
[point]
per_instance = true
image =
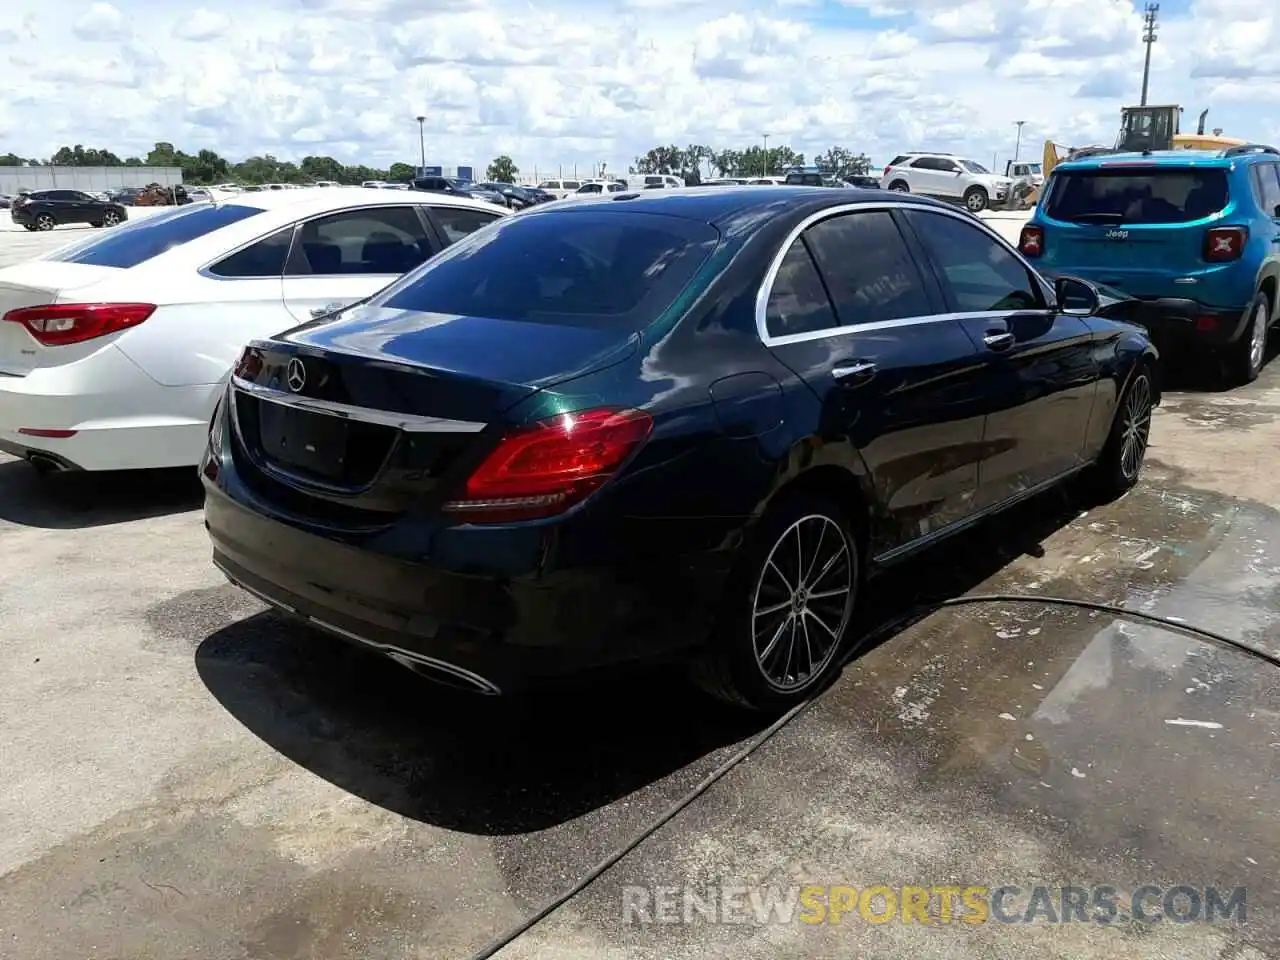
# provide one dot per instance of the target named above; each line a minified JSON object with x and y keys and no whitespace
{"x":114,"y":349}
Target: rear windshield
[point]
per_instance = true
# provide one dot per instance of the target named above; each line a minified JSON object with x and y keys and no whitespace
{"x":1143,"y":195}
{"x":611,"y":269}
{"x":139,"y":240}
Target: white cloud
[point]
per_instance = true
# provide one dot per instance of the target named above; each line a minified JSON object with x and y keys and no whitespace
{"x":202,"y":25}
{"x":579,"y":83}
{"x":101,"y":22}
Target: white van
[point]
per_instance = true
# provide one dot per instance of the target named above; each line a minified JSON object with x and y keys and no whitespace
{"x":664,"y":181}
{"x":560,"y":188}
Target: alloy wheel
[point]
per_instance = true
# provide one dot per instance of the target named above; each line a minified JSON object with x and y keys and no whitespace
{"x":1258,"y":336}
{"x":44,"y":222}
{"x":976,"y":202}
{"x":1135,"y":427}
{"x":802,"y":602}
{"x":110,"y":219}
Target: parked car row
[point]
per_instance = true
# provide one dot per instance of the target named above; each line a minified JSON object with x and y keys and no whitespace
{"x":654,"y":425}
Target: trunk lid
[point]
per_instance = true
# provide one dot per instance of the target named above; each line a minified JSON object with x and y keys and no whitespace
{"x":33,"y":284}
{"x":356,"y":421}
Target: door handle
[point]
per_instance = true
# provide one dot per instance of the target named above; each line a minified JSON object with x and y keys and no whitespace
{"x":998,"y":340}
{"x":328,"y":308}
{"x":854,"y":374}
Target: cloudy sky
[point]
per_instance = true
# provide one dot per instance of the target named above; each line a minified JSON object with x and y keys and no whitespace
{"x":577,"y":82}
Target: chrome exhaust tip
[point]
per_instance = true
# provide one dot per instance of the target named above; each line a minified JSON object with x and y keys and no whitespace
{"x":46,"y":464}
{"x":439,"y":671}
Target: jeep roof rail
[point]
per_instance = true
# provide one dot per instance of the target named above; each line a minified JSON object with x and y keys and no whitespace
{"x":1249,"y":148}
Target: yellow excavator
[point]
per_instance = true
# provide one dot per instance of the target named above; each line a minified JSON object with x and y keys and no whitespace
{"x":1142,"y":128}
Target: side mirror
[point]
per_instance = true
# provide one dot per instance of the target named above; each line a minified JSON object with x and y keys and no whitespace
{"x":1076,"y":297}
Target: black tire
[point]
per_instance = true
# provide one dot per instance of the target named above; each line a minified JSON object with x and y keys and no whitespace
{"x":110,"y":218}
{"x":976,"y":199}
{"x":45,"y":221}
{"x":1118,"y":468}
{"x":1242,"y":361}
{"x":900,"y":186}
{"x":734,"y":668}
{"x":95,"y":223}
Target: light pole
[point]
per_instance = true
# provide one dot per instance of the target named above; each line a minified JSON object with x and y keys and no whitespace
{"x":422,"y":145}
{"x":766,"y":154}
{"x":1017,"y":146}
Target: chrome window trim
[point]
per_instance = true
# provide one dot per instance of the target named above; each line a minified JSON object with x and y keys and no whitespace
{"x":771,"y":275}
{"x":407,"y":422}
{"x":206,"y":271}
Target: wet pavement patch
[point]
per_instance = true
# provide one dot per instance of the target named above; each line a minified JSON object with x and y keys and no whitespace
{"x":1002,"y":744}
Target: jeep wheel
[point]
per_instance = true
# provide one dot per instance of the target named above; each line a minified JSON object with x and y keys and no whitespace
{"x":976,"y":199}
{"x":1244,"y":358}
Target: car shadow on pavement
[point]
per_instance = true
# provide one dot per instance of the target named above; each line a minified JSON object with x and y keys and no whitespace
{"x":71,"y":501}
{"x":510,"y":765}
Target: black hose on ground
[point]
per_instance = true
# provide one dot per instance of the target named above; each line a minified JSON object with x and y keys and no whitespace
{"x":916,"y":614}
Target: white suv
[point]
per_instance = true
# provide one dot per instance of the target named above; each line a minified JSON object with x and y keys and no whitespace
{"x":947,"y":177}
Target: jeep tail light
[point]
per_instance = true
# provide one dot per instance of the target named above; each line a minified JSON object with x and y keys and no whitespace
{"x":1222,"y":244}
{"x":1031,"y":241}
{"x":544,"y":469}
{"x":60,"y":324}
{"x":886,"y":170}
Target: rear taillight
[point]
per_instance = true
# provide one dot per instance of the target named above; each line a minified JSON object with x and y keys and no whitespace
{"x":886,"y":170}
{"x":1224,"y":243}
{"x":544,"y":469}
{"x":1031,"y":241}
{"x":59,"y":324}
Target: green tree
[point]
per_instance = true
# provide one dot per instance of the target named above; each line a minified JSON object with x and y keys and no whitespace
{"x":401,"y":172}
{"x":843,"y":163}
{"x":669,"y":159}
{"x":502,"y":170}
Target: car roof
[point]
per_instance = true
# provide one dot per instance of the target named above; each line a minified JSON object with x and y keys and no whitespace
{"x":714,"y":206}
{"x":1156,"y":158}
{"x":312,"y":200}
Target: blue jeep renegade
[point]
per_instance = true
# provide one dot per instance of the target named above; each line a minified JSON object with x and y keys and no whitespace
{"x":1193,"y":234}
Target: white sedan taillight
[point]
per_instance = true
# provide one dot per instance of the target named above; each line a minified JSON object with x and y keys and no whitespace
{"x":59,"y":324}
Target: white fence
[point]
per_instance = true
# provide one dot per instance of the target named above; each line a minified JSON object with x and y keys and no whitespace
{"x":14,"y":179}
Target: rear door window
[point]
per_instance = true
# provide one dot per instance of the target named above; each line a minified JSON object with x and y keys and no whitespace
{"x":265,"y":258}
{"x":371,"y":241}
{"x":979,"y":274}
{"x":608,"y":269}
{"x":1266,"y":185}
{"x":140,"y":240}
{"x":458,"y":222}
{"x":798,"y":302}
{"x":868,"y":268}
{"x":1139,"y":195}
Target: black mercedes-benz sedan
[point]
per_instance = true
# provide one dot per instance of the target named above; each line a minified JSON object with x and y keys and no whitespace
{"x":681,"y":423}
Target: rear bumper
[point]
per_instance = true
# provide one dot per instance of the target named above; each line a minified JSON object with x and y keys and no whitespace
{"x":1174,"y":321}
{"x":21,"y":215}
{"x":122,"y":419}
{"x":493,"y":632}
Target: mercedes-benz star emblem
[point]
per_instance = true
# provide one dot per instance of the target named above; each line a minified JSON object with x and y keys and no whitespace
{"x":297,"y":377}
